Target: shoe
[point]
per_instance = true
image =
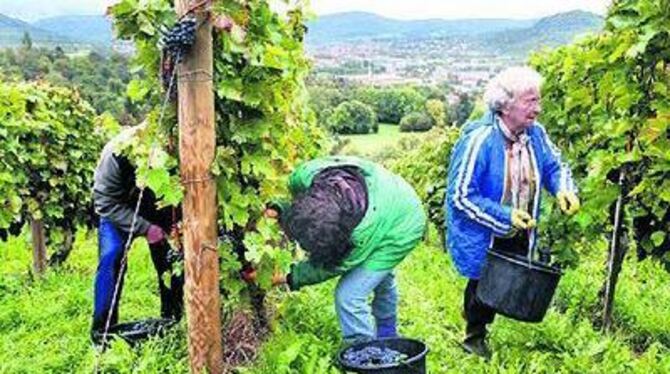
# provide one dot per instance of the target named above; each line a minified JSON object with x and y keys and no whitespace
{"x":386,"y":328}
{"x":475,"y":342}
{"x":477,"y":346}
{"x":97,"y":339}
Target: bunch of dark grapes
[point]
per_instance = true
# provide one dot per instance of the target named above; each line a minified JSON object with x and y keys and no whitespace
{"x":175,"y":44}
{"x":373,"y":356}
{"x":180,"y":38}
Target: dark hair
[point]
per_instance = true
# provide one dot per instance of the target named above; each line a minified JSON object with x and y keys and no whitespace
{"x":319,"y":222}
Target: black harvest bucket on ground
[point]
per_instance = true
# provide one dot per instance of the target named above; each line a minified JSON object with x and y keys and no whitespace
{"x":138,"y":331}
{"x":516,"y":286}
{"x":415,"y":363}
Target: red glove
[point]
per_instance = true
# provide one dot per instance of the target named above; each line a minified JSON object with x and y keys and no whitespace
{"x":155,"y":234}
{"x":249,"y":275}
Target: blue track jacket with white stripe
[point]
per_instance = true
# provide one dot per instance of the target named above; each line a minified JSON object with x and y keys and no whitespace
{"x":473,"y":204}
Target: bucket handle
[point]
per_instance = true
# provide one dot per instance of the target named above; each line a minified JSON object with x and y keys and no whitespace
{"x":531,"y":250}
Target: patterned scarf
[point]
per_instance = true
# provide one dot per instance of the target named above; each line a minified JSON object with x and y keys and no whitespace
{"x":520,"y":176}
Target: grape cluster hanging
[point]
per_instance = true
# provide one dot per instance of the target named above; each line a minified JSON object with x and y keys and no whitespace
{"x":175,"y":44}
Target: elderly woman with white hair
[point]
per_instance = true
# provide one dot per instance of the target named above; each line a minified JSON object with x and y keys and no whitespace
{"x":497,"y":169}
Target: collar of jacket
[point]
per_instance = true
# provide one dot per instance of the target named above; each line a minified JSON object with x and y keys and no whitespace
{"x":521,"y":136}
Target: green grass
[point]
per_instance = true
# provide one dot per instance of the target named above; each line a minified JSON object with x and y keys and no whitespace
{"x":376,"y":145}
{"x":430,"y":310}
{"x":44,"y":322}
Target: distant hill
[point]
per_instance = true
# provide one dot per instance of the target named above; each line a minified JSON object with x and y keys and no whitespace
{"x":550,"y":31}
{"x":91,"y":29}
{"x":499,"y":35}
{"x":12,"y":31}
{"x":351,"y":26}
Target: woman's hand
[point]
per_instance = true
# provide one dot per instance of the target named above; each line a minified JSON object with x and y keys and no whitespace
{"x":251,"y":276}
{"x":278,"y":279}
{"x":270,"y":213}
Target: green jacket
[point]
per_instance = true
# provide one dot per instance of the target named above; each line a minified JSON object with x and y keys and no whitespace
{"x":393,"y":224}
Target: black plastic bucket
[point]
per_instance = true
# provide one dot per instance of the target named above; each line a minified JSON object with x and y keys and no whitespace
{"x":516,"y":287}
{"x":415,"y":363}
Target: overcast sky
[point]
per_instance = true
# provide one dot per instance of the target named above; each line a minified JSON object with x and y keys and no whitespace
{"x":31,"y":10}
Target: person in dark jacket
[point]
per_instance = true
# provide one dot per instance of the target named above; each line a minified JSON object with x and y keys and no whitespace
{"x":356,"y":220}
{"x":115,"y":197}
{"x":498,"y":167}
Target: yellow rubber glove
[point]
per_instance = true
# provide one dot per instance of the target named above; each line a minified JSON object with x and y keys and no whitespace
{"x":568,"y":202}
{"x":522,"y":220}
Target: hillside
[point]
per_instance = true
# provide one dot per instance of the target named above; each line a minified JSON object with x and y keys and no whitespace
{"x":518,"y":36}
{"x":12,"y":31}
{"x":550,"y":31}
{"x":91,"y":29}
{"x":342,"y":27}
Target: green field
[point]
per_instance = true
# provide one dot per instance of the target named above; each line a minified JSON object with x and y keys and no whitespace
{"x":44,"y":323}
{"x":375,"y":145}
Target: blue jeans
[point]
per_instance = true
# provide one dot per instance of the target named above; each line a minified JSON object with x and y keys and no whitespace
{"x":353,"y":311}
{"x":112,"y":242}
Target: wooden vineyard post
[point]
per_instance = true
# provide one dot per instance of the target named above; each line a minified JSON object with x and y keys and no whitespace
{"x":39,"y":247}
{"x":196,"y":152}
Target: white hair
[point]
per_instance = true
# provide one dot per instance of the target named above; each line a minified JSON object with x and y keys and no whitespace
{"x":508,"y":84}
